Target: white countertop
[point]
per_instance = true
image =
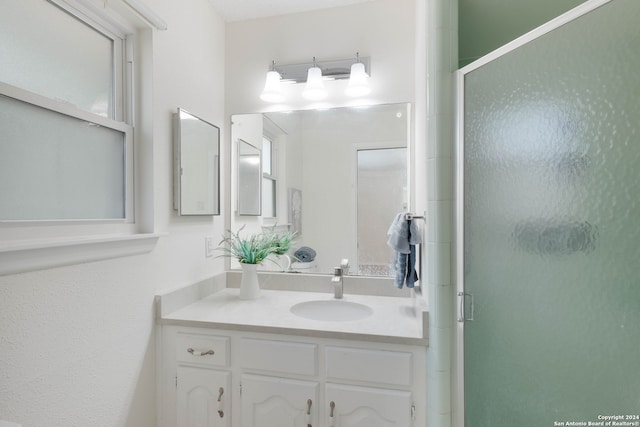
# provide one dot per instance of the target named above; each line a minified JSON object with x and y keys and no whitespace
{"x":394,"y":319}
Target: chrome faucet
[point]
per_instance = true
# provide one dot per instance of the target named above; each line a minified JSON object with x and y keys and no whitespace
{"x":338,"y":276}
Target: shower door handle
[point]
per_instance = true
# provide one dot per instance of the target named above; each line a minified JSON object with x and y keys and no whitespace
{"x":461,"y":315}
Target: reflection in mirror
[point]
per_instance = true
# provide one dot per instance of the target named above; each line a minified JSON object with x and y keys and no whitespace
{"x":249,"y":179}
{"x":338,"y":178}
{"x":196,"y":165}
{"x":381,"y":172}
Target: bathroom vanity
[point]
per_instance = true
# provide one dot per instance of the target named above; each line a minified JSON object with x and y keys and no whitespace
{"x":290,"y":358}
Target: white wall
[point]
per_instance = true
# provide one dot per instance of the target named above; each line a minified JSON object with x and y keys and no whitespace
{"x":77,"y":342}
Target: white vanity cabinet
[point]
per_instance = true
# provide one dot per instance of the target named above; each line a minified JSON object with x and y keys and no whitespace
{"x":276,"y":380}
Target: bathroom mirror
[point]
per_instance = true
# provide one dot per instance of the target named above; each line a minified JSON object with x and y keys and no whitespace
{"x":249,"y":168}
{"x":337,"y":177}
{"x":196,"y":185}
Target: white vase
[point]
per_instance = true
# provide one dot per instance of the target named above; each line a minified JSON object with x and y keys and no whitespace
{"x":249,"y":286}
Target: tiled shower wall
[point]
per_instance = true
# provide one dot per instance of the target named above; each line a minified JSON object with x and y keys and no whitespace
{"x":441,"y":63}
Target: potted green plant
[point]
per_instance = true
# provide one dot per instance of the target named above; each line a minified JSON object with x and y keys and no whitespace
{"x":249,"y":251}
{"x":252,"y":250}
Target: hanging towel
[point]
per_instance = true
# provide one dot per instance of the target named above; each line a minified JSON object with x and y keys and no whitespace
{"x":404,"y":234}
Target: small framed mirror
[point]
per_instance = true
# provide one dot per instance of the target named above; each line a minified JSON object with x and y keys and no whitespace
{"x":196,"y":165}
{"x":249,"y":179}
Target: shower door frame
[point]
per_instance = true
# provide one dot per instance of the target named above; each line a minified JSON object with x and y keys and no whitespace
{"x":458,"y":404}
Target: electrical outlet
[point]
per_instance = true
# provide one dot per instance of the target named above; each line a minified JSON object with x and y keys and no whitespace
{"x":209,"y":246}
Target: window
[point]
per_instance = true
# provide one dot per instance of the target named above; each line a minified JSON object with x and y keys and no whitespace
{"x":269,"y":182}
{"x":66,"y":152}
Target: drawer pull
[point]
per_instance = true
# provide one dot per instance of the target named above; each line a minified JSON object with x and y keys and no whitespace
{"x":220,"y":404}
{"x":332,"y":405}
{"x":309,"y":413}
{"x":202,"y":353}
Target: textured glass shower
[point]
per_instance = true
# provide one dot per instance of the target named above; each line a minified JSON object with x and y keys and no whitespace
{"x":552,"y":227}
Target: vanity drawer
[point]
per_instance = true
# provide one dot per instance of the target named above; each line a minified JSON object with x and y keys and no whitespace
{"x":202,"y":348}
{"x":278,"y":356}
{"x":376,"y":366}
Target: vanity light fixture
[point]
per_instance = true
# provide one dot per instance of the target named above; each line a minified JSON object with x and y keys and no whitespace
{"x":358,"y":80}
{"x":314,"y":90}
{"x":272,"y":91}
{"x":314,"y":74}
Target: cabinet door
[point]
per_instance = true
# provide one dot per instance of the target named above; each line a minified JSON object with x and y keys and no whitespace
{"x":367,"y":407}
{"x":203,"y":397}
{"x":278,"y":402}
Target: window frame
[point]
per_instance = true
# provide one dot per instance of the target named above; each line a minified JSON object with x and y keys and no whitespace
{"x":38,"y":244}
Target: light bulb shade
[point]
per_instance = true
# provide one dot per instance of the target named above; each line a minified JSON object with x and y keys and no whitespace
{"x":314,"y":90}
{"x":358,"y":81}
{"x":272,"y":91}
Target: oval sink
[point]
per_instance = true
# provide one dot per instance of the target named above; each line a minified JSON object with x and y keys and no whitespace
{"x":331,"y":310}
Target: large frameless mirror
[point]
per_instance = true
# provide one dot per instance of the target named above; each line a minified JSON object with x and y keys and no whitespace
{"x":196,"y":165}
{"x":336,"y":177}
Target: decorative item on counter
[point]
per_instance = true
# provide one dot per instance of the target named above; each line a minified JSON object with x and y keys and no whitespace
{"x":250,"y":252}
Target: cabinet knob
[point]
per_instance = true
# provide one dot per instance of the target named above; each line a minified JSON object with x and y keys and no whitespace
{"x":309,"y":412}
{"x":202,"y":353}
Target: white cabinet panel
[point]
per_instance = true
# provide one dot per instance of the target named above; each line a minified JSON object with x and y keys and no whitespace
{"x":278,"y":402}
{"x":377,"y":366}
{"x":367,"y":406}
{"x":278,"y":356}
{"x":203,"y":397}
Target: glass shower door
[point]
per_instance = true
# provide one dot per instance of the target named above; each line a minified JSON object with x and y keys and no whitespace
{"x":551,"y":241}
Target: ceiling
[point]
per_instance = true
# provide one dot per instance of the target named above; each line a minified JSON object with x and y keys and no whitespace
{"x":242,"y":10}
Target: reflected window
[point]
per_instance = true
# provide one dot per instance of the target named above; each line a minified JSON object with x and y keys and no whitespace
{"x":269,"y":179}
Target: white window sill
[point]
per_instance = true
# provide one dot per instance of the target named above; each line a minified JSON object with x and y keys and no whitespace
{"x":18,"y":257}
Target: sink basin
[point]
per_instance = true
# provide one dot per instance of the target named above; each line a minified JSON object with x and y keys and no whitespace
{"x":331,"y":310}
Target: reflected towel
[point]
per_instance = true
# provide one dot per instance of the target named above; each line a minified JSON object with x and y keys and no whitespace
{"x":403,"y":236}
{"x":305,"y":254}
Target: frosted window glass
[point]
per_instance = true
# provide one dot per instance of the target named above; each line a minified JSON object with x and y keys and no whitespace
{"x":552,"y":226}
{"x":55,"y":167}
{"x":266,"y":156}
{"x":268,"y":198}
{"x":47,"y":51}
